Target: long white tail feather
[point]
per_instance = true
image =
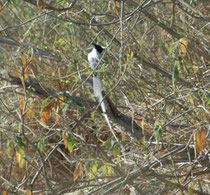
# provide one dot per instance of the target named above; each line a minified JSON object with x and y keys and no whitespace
{"x":97,"y":88}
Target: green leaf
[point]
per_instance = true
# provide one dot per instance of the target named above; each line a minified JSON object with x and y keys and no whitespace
{"x":9,"y":148}
{"x":93,"y":115}
{"x":21,"y":142}
{"x":190,"y":191}
{"x":107,"y":169}
{"x":116,"y":150}
{"x":208,"y":98}
{"x":65,"y":108}
{"x":45,"y":102}
{"x":70,"y":143}
{"x":143,"y":140}
{"x":60,"y":42}
{"x":175,"y":75}
{"x":171,"y":48}
{"x":20,"y":151}
{"x":41,"y":144}
{"x":158,"y":131}
{"x":95,"y":167}
{"x":109,"y":143}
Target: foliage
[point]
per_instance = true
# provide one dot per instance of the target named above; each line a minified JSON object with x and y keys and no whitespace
{"x":53,"y":136}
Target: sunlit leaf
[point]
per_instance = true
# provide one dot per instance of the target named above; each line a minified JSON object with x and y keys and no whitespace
{"x":95,"y":168}
{"x":78,"y":171}
{"x":5,"y":192}
{"x":28,"y":192}
{"x":183,"y":45}
{"x":20,"y":159}
{"x":171,"y":48}
{"x":68,"y":142}
{"x":107,"y":169}
{"x":116,"y":150}
{"x":200,"y":140}
{"x":93,"y":115}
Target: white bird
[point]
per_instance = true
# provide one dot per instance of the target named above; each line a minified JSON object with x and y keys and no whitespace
{"x":94,"y":58}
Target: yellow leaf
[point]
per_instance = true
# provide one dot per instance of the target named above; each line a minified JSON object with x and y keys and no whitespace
{"x":28,"y":192}
{"x":183,"y":44}
{"x":78,"y":171}
{"x":200,"y":140}
{"x":20,"y":159}
{"x":132,"y":93}
{"x":24,"y":61}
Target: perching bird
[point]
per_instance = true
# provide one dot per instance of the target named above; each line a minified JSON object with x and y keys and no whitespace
{"x":94,"y":58}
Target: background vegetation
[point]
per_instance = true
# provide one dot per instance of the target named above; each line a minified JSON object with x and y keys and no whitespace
{"x":53,"y":137}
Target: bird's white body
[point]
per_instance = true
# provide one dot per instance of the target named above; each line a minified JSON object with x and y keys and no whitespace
{"x":94,"y":58}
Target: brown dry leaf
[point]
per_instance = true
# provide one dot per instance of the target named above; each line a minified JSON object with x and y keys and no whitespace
{"x":183,"y":44}
{"x":65,"y":140}
{"x":41,"y":4}
{"x":31,"y":111}
{"x":78,"y":171}
{"x":5,"y":192}
{"x":27,"y":70}
{"x":115,"y":12}
{"x":22,"y":102}
{"x":46,"y":112}
{"x":124,"y":137}
{"x":200,"y":140}
{"x":2,"y":153}
{"x":190,"y":62}
{"x":24,"y":61}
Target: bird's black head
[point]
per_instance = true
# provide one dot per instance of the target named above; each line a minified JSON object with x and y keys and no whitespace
{"x":98,"y":48}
